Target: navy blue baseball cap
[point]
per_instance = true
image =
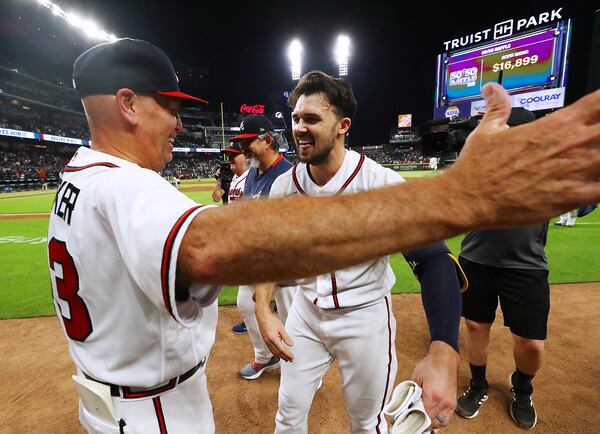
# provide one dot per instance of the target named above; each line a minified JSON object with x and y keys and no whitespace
{"x":234,"y":148}
{"x":253,"y":126}
{"x":127,"y":63}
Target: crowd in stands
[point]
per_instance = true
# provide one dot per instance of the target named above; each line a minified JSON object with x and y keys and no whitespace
{"x":33,"y":164}
{"x":16,"y":115}
{"x":410,"y":156}
{"x":26,"y":87}
{"x":191,"y":167}
{"x":42,"y":165}
{"x":37,"y":101}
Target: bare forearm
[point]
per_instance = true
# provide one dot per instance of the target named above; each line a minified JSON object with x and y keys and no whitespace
{"x":263,"y":293}
{"x":504,"y":177}
{"x":300,"y":237}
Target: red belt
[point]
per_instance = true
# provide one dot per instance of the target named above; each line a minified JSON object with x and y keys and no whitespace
{"x":127,"y":393}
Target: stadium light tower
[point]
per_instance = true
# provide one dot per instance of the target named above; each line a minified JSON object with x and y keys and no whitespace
{"x":89,"y":27}
{"x":342,"y":53}
{"x":295,"y":56}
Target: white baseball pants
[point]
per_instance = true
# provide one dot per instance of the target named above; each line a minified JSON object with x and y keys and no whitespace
{"x":184,"y":409}
{"x":361,"y":340}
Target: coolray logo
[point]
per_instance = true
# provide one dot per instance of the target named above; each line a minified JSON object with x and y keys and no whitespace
{"x":504,"y":29}
{"x":541,"y":100}
{"x":452,"y":111}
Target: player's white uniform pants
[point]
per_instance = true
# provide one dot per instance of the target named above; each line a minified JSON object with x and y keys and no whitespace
{"x":361,"y":340}
{"x":184,"y":409}
{"x":247,"y":307}
{"x":568,"y":218}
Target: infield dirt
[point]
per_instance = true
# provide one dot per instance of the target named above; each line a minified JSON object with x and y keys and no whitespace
{"x":38,"y":395}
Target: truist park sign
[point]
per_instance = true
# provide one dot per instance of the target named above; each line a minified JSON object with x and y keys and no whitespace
{"x":256,"y":109}
{"x":504,"y":29}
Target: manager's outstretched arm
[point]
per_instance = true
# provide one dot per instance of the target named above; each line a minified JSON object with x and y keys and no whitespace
{"x":503,"y":177}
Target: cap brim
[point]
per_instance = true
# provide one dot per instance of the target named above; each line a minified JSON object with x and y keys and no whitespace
{"x":243,"y":136}
{"x":233,"y":151}
{"x":189,"y":98}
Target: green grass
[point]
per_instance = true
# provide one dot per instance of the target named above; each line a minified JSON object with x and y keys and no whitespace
{"x":25,"y":288}
{"x":20,"y":203}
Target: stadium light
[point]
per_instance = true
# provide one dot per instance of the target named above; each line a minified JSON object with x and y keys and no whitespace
{"x":89,"y":27}
{"x":74,"y":20}
{"x":295,"y":57}
{"x":342,"y":53}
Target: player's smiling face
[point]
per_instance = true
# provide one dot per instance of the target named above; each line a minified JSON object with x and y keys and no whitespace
{"x":316,"y":127}
{"x":161,"y":124}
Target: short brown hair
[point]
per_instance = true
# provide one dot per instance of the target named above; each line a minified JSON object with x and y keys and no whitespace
{"x":338,"y":91}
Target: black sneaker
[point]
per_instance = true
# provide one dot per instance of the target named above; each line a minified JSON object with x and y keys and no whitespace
{"x":522,"y":410}
{"x":467,"y":404}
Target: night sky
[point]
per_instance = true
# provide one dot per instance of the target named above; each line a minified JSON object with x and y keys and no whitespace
{"x":236,"y":52}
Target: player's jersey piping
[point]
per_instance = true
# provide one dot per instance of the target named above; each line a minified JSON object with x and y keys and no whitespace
{"x":334,"y":288}
{"x":387,"y":381}
{"x":166,"y":258}
{"x":159,"y":415}
{"x":334,"y":291}
{"x":87,"y":166}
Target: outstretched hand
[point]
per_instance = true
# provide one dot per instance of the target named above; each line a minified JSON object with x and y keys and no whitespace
{"x":537,"y":170}
{"x":437,"y":375}
{"x":274,"y":334}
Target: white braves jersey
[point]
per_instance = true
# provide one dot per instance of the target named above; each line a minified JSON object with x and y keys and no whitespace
{"x":353,"y":286}
{"x":114,"y":236}
{"x":236,"y":190}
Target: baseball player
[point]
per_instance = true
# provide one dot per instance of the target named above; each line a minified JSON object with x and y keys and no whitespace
{"x":346,"y":315}
{"x":136,"y":269}
{"x":135,"y":330}
{"x":239,"y":166}
{"x":433,"y":163}
{"x":567,"y":219}
{"x":258,"y":140}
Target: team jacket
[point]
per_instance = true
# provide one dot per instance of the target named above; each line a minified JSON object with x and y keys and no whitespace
{"x":353,"y":286}
{"x":114,"y":236}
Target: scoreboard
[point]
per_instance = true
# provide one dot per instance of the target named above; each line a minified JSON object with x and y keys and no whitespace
{"x":535,"y":61}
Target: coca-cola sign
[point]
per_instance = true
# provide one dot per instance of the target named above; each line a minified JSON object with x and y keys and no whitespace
{"x":256,"y":109}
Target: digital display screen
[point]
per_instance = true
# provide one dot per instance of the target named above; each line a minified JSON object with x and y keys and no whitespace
{"x":525,"y":61}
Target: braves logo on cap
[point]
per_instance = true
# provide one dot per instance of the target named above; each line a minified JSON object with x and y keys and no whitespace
{"x":253,"y":126}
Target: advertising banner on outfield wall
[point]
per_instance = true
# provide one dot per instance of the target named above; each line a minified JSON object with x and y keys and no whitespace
{"x":19,"y":133}
{"x":406,"y":167}
{"x":207,"y":150}
{"x":61,"y":139}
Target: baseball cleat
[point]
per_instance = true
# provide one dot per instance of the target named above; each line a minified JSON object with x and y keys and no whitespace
{"x":254,"y":370}
{"x":240,"y":329}
{"x":522,"y":410}
{"x":468,"y":404}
